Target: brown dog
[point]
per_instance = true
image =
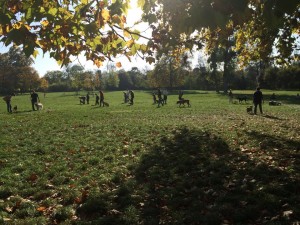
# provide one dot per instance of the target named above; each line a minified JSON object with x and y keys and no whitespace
{"x":105,"y":104}
{"x":183,"y":102}
{"x":249,"y":109}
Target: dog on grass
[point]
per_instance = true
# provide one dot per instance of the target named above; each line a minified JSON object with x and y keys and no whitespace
{"x":241,"y":99}
{"x":15,"y":109}
{"x":249,"y":109}
{"x":183,"y":102}
{"x":105,"y":104}
{"x":39,"y":106}
{"x":274,"y":103}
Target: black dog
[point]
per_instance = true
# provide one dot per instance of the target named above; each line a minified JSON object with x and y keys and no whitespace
{"x":183,"y":101}
{"x":241,"y":99}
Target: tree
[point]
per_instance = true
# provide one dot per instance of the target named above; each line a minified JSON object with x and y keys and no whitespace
{"x":44,"y":84}
{"x":67,"y":28}
{"x":15,"y":69}
{"x":99,"y":29}
{"x":170,"y":69}
{"x":256,"y":25}
{"x":28,"y":79}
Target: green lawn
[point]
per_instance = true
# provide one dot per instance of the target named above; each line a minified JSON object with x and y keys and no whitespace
{"x":211,"y":163}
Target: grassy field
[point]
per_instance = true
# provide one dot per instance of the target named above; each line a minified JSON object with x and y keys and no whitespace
{"x":211,"y":163}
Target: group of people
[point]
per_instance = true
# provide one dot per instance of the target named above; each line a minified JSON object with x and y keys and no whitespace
{"x":34,"y":98}
{"x":162,"y":97}
{"x":128,"y":97}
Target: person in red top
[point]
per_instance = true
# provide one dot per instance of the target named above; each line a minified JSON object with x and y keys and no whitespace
{"x":7,"y":99}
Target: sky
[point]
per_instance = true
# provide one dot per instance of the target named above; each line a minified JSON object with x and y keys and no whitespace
{"x":43,"y":62}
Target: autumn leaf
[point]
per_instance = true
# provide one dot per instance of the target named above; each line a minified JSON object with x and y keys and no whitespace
{"x":41,"y":209}
{"x":105,"y":14}
{"x":119,"y":64}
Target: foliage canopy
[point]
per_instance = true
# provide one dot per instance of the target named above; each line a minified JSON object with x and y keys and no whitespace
{"x":99,"y":29}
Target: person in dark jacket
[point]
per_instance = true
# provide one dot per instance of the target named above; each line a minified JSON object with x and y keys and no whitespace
{"x":257,"y":100}
{"x":7,"y":99}
{"x":34,"y":97}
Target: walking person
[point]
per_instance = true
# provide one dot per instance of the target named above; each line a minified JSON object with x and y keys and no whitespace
{"x":34,"y":99}
{"x":165,"y":96}
{"x":87,"y":98}
{"x":230,"y":95}
{"x":180,"y":95}
{"x":101,"y":98}
{"x":97,"y":100}
{"x":257,"y":100}
{"x":131,"y":97}
{"x":7,"y":99}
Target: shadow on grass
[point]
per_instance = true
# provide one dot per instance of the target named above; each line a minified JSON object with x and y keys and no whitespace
{"x":272,"y":117}
{"x":193,"y":177}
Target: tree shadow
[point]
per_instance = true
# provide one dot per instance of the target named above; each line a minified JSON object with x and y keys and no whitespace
{"x":272,"y":117}
{"x":193,"y":177}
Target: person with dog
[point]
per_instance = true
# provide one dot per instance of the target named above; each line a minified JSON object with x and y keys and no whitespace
{"x":7,"y":99}
{"x":101,"y":98}
{"x":34,"y":99}
{"x":257,"y":100}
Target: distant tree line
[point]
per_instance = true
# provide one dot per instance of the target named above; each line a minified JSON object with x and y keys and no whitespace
{"x":18,"y":75}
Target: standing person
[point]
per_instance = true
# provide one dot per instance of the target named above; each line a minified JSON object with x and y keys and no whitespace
{"x":180,"y":95}
{"x":257,"y":100}
{"x":131,"y":97}
{"x":7,"y":99}
{"x":34,"y":99}
{"x":125,"y":97}
{"x":159,"y":94}
{"x":87,"y":98}
{"x":165,"y":94}
{"x":154,"y":97}
{"x":230,"y":95}
{"x":101,"y":98}
{"x":97,"y":100}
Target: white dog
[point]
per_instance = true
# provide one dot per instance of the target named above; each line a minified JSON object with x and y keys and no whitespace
{"x":39,"y":106}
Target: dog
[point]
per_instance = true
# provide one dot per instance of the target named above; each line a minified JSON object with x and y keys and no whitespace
{"x":241,"y":99}
{"x":249,"y":109}
{"x":82,"y":99}
{"x":15,"y":109}
{"x":105,"y":104}
{"x":39,"y":106}
{"x":274,"y":103}
{"x":183,"y":102}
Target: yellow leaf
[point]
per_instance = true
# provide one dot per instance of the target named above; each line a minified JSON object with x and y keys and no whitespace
{"x":98,"y":62}
{"x":105,"y":14}
{"x":141,"y":3}
{"x":35,"y":53}
{"x":118,"y":64}
{"x":45,"y":23}
{"x":17,"y":26}
{"x":126,"y":34}
{"x":129,"y":43}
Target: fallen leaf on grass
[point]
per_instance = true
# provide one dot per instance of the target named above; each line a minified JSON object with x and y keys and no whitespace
{"x":41,"y":209}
